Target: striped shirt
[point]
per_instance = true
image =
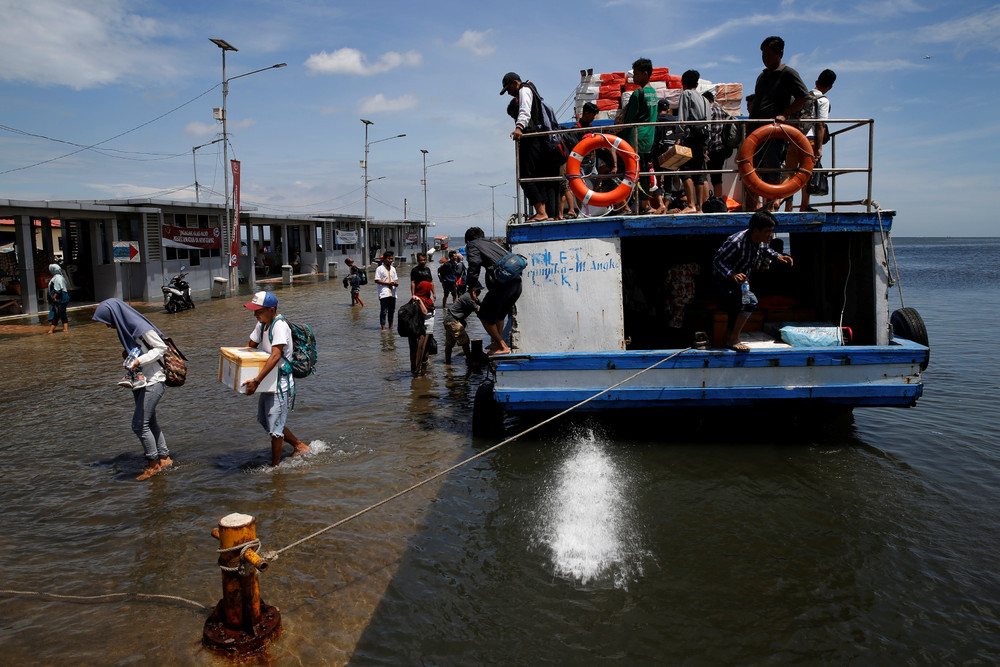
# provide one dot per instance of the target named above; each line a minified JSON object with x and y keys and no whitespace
{"x":738,"y":254}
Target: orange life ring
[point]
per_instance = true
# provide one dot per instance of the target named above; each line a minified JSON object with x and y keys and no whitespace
{"x":576,"y":183}
{"x":752,"y":180}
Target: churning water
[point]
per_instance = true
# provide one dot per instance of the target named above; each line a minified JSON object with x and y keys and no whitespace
{"x":586,"y":516}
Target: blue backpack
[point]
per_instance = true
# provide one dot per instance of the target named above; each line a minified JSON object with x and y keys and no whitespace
{"x":509,"y":267}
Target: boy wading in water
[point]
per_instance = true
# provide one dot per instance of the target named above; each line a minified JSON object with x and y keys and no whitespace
{"x":274,"y":336}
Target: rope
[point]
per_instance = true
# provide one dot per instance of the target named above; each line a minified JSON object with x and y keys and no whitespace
{"x":271,"y":556}
{"x":887,"y":243}
{"x":107,"y":596}
{"x":243,"y":547}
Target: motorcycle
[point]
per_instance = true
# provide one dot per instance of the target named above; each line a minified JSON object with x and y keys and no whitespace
{"x":177,"y":293}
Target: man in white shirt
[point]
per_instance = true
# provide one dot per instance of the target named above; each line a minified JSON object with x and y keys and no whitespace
{"x":817,"y":107}
{"x":387,"y":281}
{"x":274,"y":336}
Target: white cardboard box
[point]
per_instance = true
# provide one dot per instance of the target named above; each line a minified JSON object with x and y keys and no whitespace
{"x":239,"y":364}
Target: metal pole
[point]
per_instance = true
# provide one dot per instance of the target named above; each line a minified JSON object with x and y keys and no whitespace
{"x":493,"y":204}
{"x":195,"y":162}
{"x":425,"y":200}
{"x":364,"y":241}
{"x":225,"y":169}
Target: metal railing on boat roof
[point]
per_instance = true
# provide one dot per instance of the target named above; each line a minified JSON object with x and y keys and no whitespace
{"x":833,"y":171}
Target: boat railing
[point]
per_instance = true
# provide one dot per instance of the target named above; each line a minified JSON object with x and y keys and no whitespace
{"x":837,"y":127}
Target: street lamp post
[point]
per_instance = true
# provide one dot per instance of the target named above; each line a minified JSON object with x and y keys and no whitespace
{"x":493,"y":204}
{"x":364,"y":165}
{"x":424,"y":183}
{"x":226,"y":46}
{"x":195,"y":163}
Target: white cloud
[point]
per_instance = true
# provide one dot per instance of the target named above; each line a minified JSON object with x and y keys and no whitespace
{"x":475,"y":41}
{"x":352,"y":61}
{"x":80,"y":43}
{"x":966,"y":33}
{"x":893,"y":65}
{"x":380,"y":102}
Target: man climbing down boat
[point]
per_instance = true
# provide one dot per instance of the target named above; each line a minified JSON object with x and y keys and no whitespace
{"x":734,"y":260}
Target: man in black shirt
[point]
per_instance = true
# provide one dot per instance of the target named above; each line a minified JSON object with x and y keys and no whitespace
{"x":779,"y":93}
{"x":420,"y":273}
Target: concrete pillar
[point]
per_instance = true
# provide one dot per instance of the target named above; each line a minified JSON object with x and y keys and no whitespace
{"x":24,"y":235}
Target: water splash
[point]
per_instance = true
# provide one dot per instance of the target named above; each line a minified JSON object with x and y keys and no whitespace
{"x":587,"y":523}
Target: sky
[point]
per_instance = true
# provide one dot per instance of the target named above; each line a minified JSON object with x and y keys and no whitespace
{"x":106,"y":98}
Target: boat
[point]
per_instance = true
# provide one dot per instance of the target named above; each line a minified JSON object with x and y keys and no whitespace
{"x":590,"y":323}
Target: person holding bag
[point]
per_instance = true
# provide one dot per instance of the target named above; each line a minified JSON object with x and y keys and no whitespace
{"x":58,"y":298}
{"x":133,"y":331}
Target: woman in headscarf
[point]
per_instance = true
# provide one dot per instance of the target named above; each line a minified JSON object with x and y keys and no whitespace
{"x":134,"y":330}
{"x":58,"y":298}
{"x":424,"y":296}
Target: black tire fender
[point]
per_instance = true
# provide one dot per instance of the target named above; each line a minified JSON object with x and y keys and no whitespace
{"x":907,"y":323}
{"x":487,"y":413}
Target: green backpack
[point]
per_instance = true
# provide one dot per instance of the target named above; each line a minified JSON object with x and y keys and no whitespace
{"x":304,"y":355}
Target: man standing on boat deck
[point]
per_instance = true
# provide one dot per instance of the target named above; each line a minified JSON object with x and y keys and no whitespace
{"x":778,"y":94}
{"x":734,"y":260}
{"x":500,"y":297}
{"x":535,"y":156}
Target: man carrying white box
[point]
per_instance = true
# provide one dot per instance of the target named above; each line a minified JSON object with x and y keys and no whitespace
{"x":272,"y":408}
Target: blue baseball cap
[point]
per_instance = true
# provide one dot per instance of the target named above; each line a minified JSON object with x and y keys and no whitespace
{"x":263,"y":300}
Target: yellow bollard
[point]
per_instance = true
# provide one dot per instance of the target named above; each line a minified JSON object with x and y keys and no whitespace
{"x":241,"y":623}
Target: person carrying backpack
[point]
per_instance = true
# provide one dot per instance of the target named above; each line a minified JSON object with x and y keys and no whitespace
{"x":274,"y":336}
{"x":537,"y":160}
{"x":135,"y":331}
{"x":501,"y":295}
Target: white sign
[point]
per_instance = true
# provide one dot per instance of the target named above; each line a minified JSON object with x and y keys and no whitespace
{"x":126,"y":251}
{"x":345,"y":238}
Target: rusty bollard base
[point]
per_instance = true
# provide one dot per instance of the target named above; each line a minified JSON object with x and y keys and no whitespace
{"x":238,"y":642}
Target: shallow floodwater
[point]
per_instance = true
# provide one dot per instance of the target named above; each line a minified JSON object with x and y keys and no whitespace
{"x":868,"y":540}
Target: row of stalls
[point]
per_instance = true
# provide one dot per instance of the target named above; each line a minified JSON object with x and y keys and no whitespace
{"x":129,"y":248}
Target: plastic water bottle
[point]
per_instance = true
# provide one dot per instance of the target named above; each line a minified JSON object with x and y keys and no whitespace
{"x":745,"y":293}
{"x":133,"y":356}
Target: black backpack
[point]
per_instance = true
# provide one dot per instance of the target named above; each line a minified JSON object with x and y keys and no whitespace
{"x":560,"y":145}
{"x":714,"y":205}
{"x":410,"y":320}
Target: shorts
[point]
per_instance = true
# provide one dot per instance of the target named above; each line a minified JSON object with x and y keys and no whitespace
{"x":499,"y":301}
{"x":449,"y":288}
{"x":455,"y":333}
{"x":272,"y":412}
{"x":730,"y":295}
{"x":696,"y":163}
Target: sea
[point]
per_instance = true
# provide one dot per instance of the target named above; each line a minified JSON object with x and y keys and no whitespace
{"x":865,"y":540}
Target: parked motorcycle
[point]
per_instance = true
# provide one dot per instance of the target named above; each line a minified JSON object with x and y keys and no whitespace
{"x":177,"y":293}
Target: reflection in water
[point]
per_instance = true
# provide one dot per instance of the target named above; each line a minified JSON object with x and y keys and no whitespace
{"x":586,"y":522}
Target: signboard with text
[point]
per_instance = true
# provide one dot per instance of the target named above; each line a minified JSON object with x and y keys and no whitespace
{"x":345,"y":238}
{"x":126,"y":251}
{"x":194,"y":238}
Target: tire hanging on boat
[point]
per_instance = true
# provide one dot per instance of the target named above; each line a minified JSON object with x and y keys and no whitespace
{"x":590,"y":143}
{"x":748,"y":173}
{"x":907,"y":323}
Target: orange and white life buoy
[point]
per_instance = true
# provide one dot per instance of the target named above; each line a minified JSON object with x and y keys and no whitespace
{"x":752,"y":180}
{"x":590,"y":143}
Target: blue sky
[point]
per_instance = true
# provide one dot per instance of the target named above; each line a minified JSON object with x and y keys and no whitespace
{"x":83,"y":71}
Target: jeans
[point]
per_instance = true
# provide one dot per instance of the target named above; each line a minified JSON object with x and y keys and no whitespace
{"x":154,"y":445}
{"x":387,"y":309}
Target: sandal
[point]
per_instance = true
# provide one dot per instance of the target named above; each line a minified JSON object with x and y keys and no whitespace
{"x":537,"y":219}
{"x":570,"y":216}
{"x":739,"y":347}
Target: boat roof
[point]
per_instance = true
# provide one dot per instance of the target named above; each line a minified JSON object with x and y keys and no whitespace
{"x":701,"y":223}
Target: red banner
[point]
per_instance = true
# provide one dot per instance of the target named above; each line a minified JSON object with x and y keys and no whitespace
{"x":234,"y":249}
{"x":192,"y":237}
